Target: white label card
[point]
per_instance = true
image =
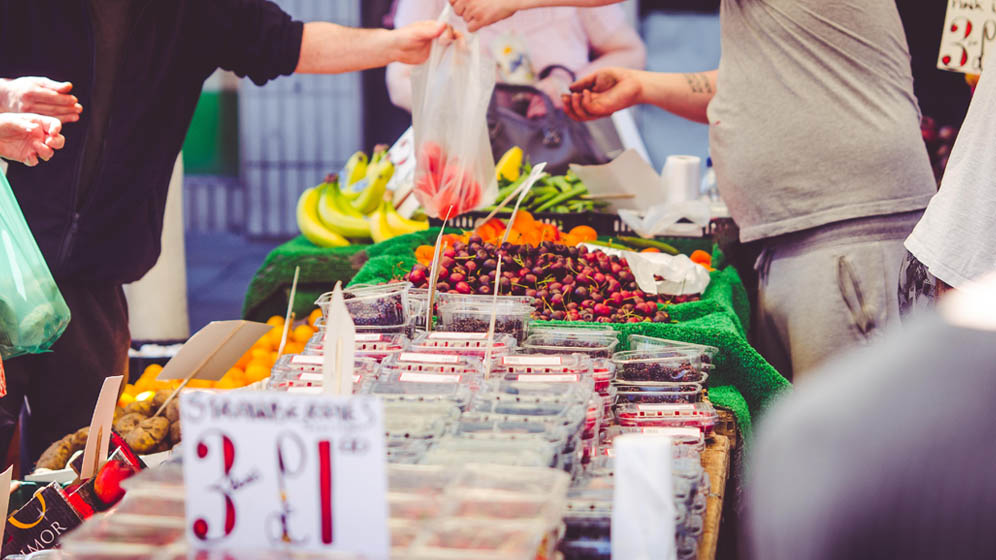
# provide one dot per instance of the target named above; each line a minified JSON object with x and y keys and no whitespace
{"x":307,"y":360}
{"x":969,"y":35}
{"x":554,"y":378}
{"x":679,"y":408}
{"x":427,"y":358}
{"x":458,"y":336}
{"x":532,"y":360}
{"x":693,"y":433}
{"x":367,"y":337}
{"x":276,"y":471}
{"x":429,"y":378}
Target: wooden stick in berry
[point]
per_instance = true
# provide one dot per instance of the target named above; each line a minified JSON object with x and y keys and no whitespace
{"x":434,"y":271}
{"x":534,"y":176}
{"x":289,"y":318}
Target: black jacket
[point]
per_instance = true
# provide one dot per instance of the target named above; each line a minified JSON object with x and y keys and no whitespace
{"x":113,"y":234}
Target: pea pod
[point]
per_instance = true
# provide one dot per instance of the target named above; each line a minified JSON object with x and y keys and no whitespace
{"x":609,"y":244}
{"x":649,"y":244}
{"x":576,"y":191}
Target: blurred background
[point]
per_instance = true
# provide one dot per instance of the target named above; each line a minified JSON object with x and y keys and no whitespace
{"x":252,"y":150}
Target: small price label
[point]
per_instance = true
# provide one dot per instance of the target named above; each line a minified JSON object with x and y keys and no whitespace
{"x":457,"y":336}
{"x":277,"y":471}
{"x":532,"y":361}
{"x":676,"y":408}
{"x":555,"y":378}
{"x":427,"y":358}
{"x":969,"y":35}
{"x":429,"y":378}
{"x":302,"y":360}
{"x":368,"y":337}
{"x":679,"y":433}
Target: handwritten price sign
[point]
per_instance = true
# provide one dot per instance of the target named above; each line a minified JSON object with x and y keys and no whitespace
{"x":278,"y":471}
{"x":969,"y":35}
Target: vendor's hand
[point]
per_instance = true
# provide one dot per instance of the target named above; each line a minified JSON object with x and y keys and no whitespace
{"x":411,"y":44}
{"x":41,"y":96}
{"x":481,"y":13}
{"x":603,"y":93}
{"x":554,"y":86}
{"x":27,"y":138}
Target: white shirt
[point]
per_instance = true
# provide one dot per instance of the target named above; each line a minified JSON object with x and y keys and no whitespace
{"x":956,"y":238}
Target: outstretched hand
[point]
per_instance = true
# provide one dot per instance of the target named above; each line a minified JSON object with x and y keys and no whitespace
{"x":412,"y":43}
{"x":42,"y":96}
{"x":27,"y":138}
{"x":481,"y":13}
{"x":603,"y":93}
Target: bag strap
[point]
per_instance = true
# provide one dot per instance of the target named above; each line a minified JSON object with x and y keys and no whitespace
{"x":549,"y":70}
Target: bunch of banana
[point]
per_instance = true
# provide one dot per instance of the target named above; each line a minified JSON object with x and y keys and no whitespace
{"x":329,"y":215}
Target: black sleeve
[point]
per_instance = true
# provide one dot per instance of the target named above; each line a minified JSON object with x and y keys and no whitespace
{"x":253,"y":38}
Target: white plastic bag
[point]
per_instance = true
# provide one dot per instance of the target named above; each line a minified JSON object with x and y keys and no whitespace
{"x":455,"y":170}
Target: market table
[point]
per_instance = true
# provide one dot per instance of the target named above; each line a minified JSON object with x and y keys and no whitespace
{"x":716,"y":459}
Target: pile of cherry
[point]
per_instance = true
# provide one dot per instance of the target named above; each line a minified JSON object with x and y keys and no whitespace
{"x":568,"y":283}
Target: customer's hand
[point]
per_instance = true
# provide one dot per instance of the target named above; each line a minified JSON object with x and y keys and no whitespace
{"x":481,"y":13}
{"x":603,"y":93}
{"x":412,"y":43}
{"x":41,"y":96}
{"x":27,"y":138}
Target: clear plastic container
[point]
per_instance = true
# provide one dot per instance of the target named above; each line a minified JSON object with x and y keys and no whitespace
{"x":385,"y":305}
{"x":479,"y":539}
{"x":567,"y":413}
{"x":462,"y":344}
{"x":480,"y":299}
{"x":595,"y":344}
{"x":419,"y":479}
{"x":414,"y":427}
{"x":418,"y":304}
{"x":673,"y":393}
{"x":603,"y":371}
{"x":538,"y":367}
{"x":427,"y":362}
{"x":699,"y":415}
{"x":510,"y":318}
{"x":298,"y":373}
{"x":408,"y":387}
{"x":460,"y":451}
{"x":641,"y":342}
{"x":525,"y":390}
{"x":368,"y":345}
{"x":686,"y":440}
{"x":588,"y":329}
{"x":659,"y":366}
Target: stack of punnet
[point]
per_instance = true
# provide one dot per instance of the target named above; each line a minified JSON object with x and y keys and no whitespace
{"x":553,"y":399}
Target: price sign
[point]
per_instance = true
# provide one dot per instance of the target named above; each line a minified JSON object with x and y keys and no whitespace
{"x":282,"y":471}
{"x":969,"y":35}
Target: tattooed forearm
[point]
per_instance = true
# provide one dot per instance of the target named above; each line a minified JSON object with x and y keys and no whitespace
{"x":698,"y":83}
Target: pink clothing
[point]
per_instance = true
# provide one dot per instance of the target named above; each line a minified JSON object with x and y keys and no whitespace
{"x":553,"y":35}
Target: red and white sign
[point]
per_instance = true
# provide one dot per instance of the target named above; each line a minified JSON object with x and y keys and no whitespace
{"x":531,"y":361}
{"x":969,"y":35}
{"x":275,"y":471}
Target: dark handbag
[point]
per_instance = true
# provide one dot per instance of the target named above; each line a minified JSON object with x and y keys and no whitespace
{"x":554,"y":138}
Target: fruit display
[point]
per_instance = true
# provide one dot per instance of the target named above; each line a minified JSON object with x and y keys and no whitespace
{"x":568,"y":283}
{"x":939,"y":141}
{"x":353,"y":207}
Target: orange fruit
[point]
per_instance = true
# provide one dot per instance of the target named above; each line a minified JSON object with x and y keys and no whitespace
{"x":226,"y":383}
{"x":256,"y":372}
{"x":200,"y":384}
{"x":144,"y":396}
{"x":126,"y":399}
{"x":275,"y":321}
{"x":315,"y":315}
{"x":129,"y":389}
{"x":261,"y":357}
{"x":651,"y":250}
{"x":302,"y":334}
{"x":244,"y":360}
{"x":584,"y":233}
{"x":293,"y":347}
{"x":524,"y":221}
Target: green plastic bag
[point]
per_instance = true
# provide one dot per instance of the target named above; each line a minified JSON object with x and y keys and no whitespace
{"x":33,"y":314}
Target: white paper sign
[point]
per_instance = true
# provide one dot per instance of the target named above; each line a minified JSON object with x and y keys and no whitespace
{"x":969,"y":35}
{"x":643,"y":499}
{"x":277,"y":471}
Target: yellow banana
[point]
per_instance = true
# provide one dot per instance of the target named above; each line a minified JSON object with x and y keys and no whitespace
{"x":311,"y":225}
{"x":380,"y":230}
{"x":335,"y":218}
{"x":401,"y":225}
{"x":356,"y":167}
{"x":510,"y":164}
{"x":378,"y":175}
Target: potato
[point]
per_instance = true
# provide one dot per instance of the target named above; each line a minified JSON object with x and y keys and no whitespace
{"x":148,"y":435}
{"x":127,"y":423}
{"x":79,"y":439}
{"x":175,"y":433}
{"x":160,"y":397}
{"x":173,"y":410}
{"x":146,"y":408}
{"x":57,"y":455}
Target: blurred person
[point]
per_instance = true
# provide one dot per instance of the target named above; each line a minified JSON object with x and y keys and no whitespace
{"x":28,"y":138}
{"x":816,"y":143}
{"x":579,"y":40}
{"x":889,"y":452}
{"x":97,"y":210}
{"x":954,"y":243}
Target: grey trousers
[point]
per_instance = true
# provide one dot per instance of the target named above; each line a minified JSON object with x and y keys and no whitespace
{"x":825,"y":290}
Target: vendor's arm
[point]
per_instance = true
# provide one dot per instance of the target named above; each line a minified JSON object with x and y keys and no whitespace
{"x":327,"y":48}
{"x":613,"y":89}
{"x":38,"y":95}
{"x":481,"y":13}
{"x":26,"y":138}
